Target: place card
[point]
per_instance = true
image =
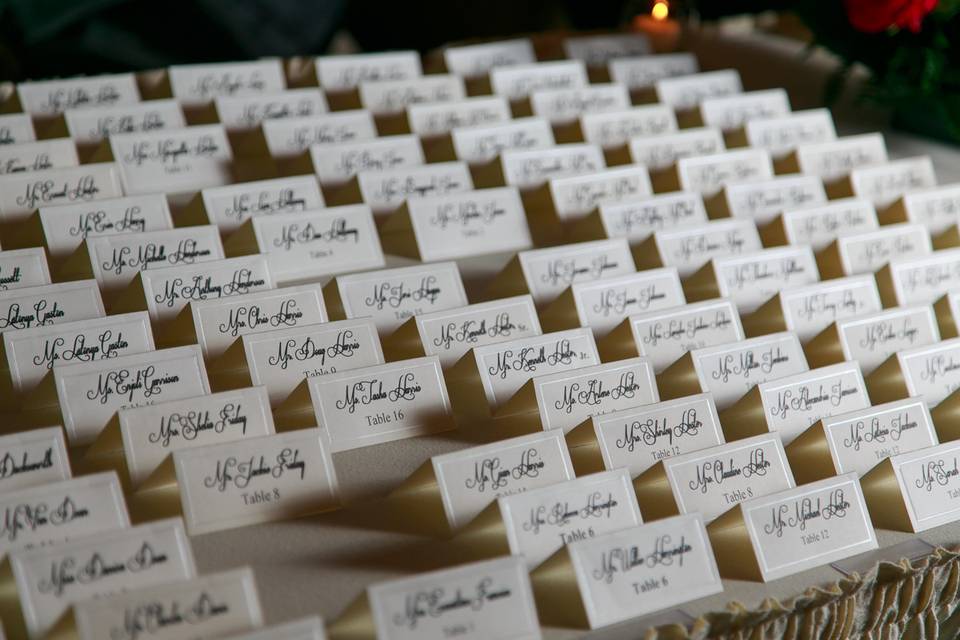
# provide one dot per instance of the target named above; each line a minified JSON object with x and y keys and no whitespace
{"x":662,"y":151}
{"x":774,"y":536}
{"x":643,"y":71}
{"x":637,"y":438}
{"x":91,"y":393}
{"x":819,"y":225}
{"x":709,"y":174}
{"x":935,"y":208}
{"x":16,"y":128}
{"x":711,"y":481}
{"x":50,"y":304}
{"x":391,"y":296}
{"x":57,"y":153}
{"x":178,"y":160}
{"x":435,"y":119}
{"x":52,"y":97}
{"x":636,"y":220}
{"x":22,"y":268}
{"x":603,"y":304}
{"x":628,"y":573}
{"x":666,"y":334}
{"x":209,"y":606}
{"x":457,"y":225}
{"x":787,"y":406}
{"x":247,"y":112}
{"x":573,"y":197}
{"x":834,"y":159}
{"x":687,"y":248}
{"x":615,"y":128}
{"x":918,"y":280}
{"x":811,"y":308}
{"x":229,"y":207}
{"x":303,"y":629}
{"x":385,"y":191}
{"x":33,"y":458}
{"x":564,"y":106}
{"x":870,"y":251}
{"x":531,"y":168}
{"x":474,"y":60}
{"x":340,"y":72}
{"x":148,"y":435}
{"x":451,"y":333}
{"x":546,"y":273}
{"x":753,"y":278}
{"x":687,"y":91}
{"x":91,"y":126}
{"x":870,"y":339}
{"x":290,"y":137}
{"x":391,"y":97}
{"x":781,"y":135}
{"x":883,"y":184}
{"x":480,"y":144}
{"x":730,"y":370}
{"x":930,"y":371}
{"x":598,"y":50}
{"x":857,"y":441}
{"x":733,"y":111}
{"x":193,"y":84}
{"x":49,"y":580}
{"x":518,"y":81}
{"x":763,"y":200}
{"x":914,"y":491}
{"x":57,"y":512}
{"x":334,"y":164}
{"x":22,"y":193}
{"x":947,"y":309}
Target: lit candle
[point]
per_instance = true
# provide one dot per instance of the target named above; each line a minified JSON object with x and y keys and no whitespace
{"x":662,"y":31}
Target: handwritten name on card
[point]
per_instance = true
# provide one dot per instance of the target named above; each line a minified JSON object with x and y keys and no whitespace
{"x":476,"y":60}
{"x":870,"y":251}
{"x":337,"y":163}
{"x":782,"y":135}
{"x":665,"y":335}
{"x":616,"y":128}
{"x":927,"y":479}
{"x":819,"y":225}
{"x":834,"y":159}
{"x":686,"y":92}
{"x":21,"y":268}
{"x":529,"y":169}
{"x":434,"y":119}
{"x":883,"y":184}
{"x":564,"y":106}
{"x":151,"y":433}
{"x":763,"y":200}
{"x":604,"y":304}
{"x":473,"y":478}
{"x":596,"y":51}
{"x":549,"y":271}
{"x":338,"y":73}
{"x":934,"y":208}
{"x":519,"y":81}
{"x":385,"y":191}
{"x":689,"y":247}
{"x":52,"y":97}
{"x":286,"y":137}
{"x":733,"y":111}
{"x":228,"y":207}
{"x":924,"y":279}
{"x":576,"y":196}
{"x":483,"y":143}
{"x":872,"y":338}
{"x":22,"y":193}
{"x":58,"y":153}
{"x":50,"y":304}
{"x":385,"y":97}
{"x":664,"y":150}
{"x":33,"y":458}
{"x":710,"y":173}
{"x":88,"y":126}
{"x":16,"y":128}
{"x":637,"y":220}
{"x":642,"y":72}
{"x":194,"y":84}
{"x":753,"y":278}
{"x":243,"y":113}
{"x":931,"y":371}
{"x":810,"y":309}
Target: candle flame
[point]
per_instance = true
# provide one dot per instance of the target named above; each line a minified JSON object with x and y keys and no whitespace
{"x":660,"y":10}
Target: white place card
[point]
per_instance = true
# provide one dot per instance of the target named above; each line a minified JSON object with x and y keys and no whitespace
{"x":687,"y":91}
{"x":303,"y":629}
{"x":51,"y":579}
{"x":338,"y":162}
{"x":819,"y":225}
{"x":384,"y":191}
{"x":450,"y":334}
{"x":568,"y":398}
{"x":471,"y":479}
{"x":763,"y":200}
{"x":564,"y":106}
{"x":645,"y":569}
{"x":810,"y":309}
{"x":603,"y":304}
{"x":469,"y":223}
{"x":255,"y":480}
{"x":33,"y":458}
{"x":88,"y":126}
{"x":616,"y":128}
{"x":56,"y":512}
{"x":636,"y":439}
{"x":540,"y":521}
{"x":474,"y":60}
{"x":21,"y":268}
{"x":179,"y":160}
{"x":711,"y":173}
{"x":281,"y":359}
{"x":549,"y":271}
{"x":209,"y":606}
{"x":242,"y":113}
{"x":66,"y":226}
{"x":598,"y":50}
{"x":859,"y":440}
{"x":752,"y":279}
{"x":883,"y":184}
{"x":870,"y":251}
{"x":417,"y":607}
{"x":32,"y":352}
{"x":665,"y":335}
{"x":228,"y":207}
{"x":392,"y":296}
{"x":576,"y":196}
{"x":519,"y":81}
{"x":924,"y":279}
{"x":688,"y":247}
{"x":383,"y":97}
{"x":194,"y":84}
{"x":931,"y":371}
{"x":16,"y":128}
{"x":782,"y":135}
{"x":90,"y":393}
{"x":834,"y":159}
{"x":663,"y":150}
{"x":52,"y":97}
{"x":286,"y":137}
{"x":337,"y":73}
{"x":50,"y":304}
{"x":935,"y":208}
{"x":870,"y":339}
{"x":218,"y":323}
{"x":636,"y":220}
{"x":57,"y":153}
{"x":151,"y":433}
{"x":733,"y":111}
{"x":482,"y":143}
{"x":927,"y":481}
{"x":303,"y":245}
{"x":22,"y":193}
{"x":642,"y":72}
{"x":434,"y":119}
{"x":381,"y":403}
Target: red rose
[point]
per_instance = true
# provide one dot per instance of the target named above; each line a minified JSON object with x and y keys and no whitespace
{"x":873,"y":16}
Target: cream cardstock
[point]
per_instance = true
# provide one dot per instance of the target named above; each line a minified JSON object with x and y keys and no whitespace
{"x":281,"y":359}
{"x":255,"y":480}
{"x":152,"y":432}
{"x":303,"y":245}
{"x":287,"y":137}
{"x":604,"y":304}
{"x":642,"y":72}
{"x":834,"y":159}
{"x":16,"y":128}
{"x":783,"y":134}
{"x":52,"y":97}
{"x":48,"y":304}
{"x":924,"y":279}
{"x":392,"y":296}
{"x":434,"y":119}
{"x":384,"y":97}
{"x":883,"y":184}
{"x":194,"y":84}
{"x":418,"y":608}
{"x":870,"y":339}
{"x":763,"y":200}
{"x":57,"y":153}
{"x":934,"y":208}
{"x":576,"y":196}
{"x":33,"y":458}
{"x":471,"y":479}
{"x":810,"y":309}
{"x":88,"y":126}
{"x":303,"y":629}
{"x":636,"y":220}
{"x":483,"y":143}
{"x":336,"y":163}
{"x":931,"y":371}
{"x":752,"y":279}
{"x":519,"y":81}
{"x":928,"y":483}
{"x":861,"y":439}
{"x":540,"y":521}
{"x":689,"y":247}
{"x":662,"y":151}
{"x":22,"y":193}
{"x":711,"y":173}
{"x":616,"y":128}
{"x":549,"y":271}
{"x":476,"y":60}
{"x":564,"y":106}
{"x":91,"y":393}
{"x":733,"y":111}
{"x":687,"y":91}
{"x":49,"y":580}
{"x":638,"y":438}
{"x":665,"y":335}
{"x":451,"y":333}
{"x":340,"y":72}
{"x":229,"y":207}
{"x":819,"y":225}
{"x":598,"y":50}
{"x":242,"y":113}
{"x":384,"y":191}
{"x":529,"y":169}
{"x":870,"y":251}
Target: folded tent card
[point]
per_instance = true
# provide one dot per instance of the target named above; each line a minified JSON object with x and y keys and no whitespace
{"x":49,"y":304}
{"x":33,"y":458}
